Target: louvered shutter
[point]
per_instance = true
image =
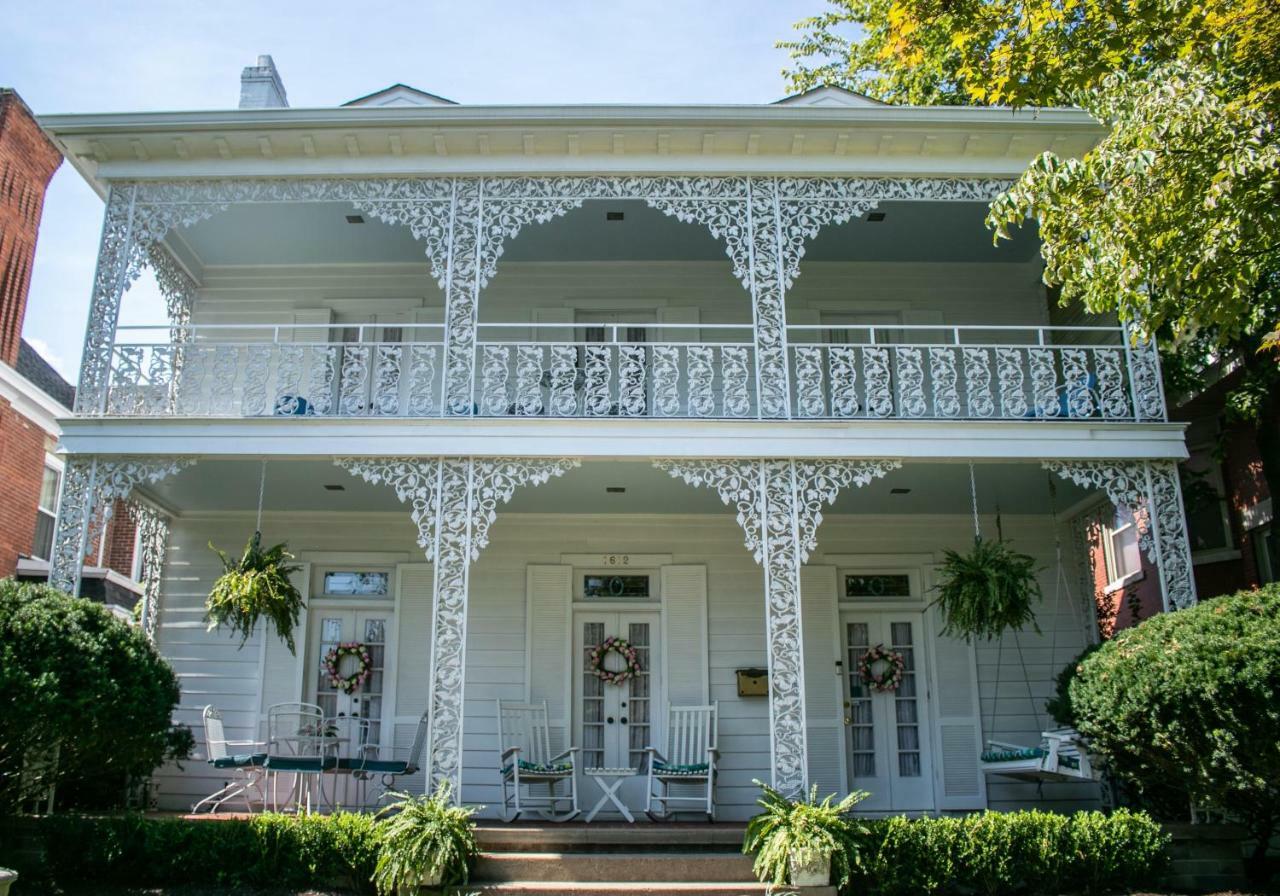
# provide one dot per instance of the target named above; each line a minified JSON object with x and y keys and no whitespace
{"x":548,"y":645}
{"x":958,"y":732}
{"x":282,"y":671}
{"x":414,"y":582}
{"x":684,"y":635}
{"x":823,"y":689}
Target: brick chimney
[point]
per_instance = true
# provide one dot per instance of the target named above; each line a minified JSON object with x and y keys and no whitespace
{"x":261,"y":87}
{"x":27,"y":161}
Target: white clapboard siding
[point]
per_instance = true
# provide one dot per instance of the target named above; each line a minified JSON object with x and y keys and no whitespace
{"x":282,"y":671}
{"x":957,"y":731}
{"x":549,"y":648}
{"x":413,"y":631}
{"x":684,"y":635}
{"x":823,"y":689}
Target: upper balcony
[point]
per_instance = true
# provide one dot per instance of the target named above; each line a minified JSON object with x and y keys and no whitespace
{"x":626,"y":369}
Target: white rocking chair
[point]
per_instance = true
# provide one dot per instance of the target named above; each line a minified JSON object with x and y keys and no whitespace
{"x":525,"y":760}
{"x":1061,"y":756}
{"x":247,"y":764}
{"x":690,"y":762}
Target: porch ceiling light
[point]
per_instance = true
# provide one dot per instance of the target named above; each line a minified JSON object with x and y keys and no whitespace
{"x":875,"y":217}
{"x":335,"y":488}
{"x":614,"y":216}
{"x":615,"y":489}
{"x":899,"y":491}
{"x":355,"y":219}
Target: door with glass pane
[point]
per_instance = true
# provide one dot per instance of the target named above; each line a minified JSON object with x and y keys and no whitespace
{"x":888,"y":732}
{"x":616,"y":722}
{"x":330,"y":627}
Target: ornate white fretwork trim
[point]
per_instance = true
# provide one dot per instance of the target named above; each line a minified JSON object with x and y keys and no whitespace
{"x":453,"y":501}
{"x":465,"y":223}
{"x":779,"y":505}
{"x":90,"y":487}
{"x":1151,"y":492}
{"x":153,"y":539}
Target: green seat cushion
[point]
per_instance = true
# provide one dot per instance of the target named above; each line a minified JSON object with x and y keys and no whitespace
{"x":1013,"y":755}
{"x":300,"y":763}
{"x":541,"y":768}
{"x":693,"y":769}
{"x":240,"y":760}
{"x":374,"y":766}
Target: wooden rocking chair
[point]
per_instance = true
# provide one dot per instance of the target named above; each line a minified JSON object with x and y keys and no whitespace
{"x":524,"y":760}
{"x":689,"y":763}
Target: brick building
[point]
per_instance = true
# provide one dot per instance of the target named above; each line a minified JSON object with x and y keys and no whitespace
{"x":33,"y":396}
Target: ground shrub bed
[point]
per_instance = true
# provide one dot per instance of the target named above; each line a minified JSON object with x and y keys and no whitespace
{"x":991,"y":854}
{"x":267,"y":851}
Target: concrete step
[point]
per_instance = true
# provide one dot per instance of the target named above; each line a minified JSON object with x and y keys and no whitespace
{"x":671,"y":867}
{"x":558,"y":888}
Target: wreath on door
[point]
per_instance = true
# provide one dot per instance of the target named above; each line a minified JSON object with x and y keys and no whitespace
{"x":881,"y":669}
{"x":349,"y":683}
{"x":622,"y":647}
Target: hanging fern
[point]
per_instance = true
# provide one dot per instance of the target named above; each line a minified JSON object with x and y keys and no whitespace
{"x":255,"y":586}
{"x":987,"y":591}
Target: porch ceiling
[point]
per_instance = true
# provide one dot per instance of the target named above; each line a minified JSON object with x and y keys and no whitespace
{"x":318,"y":233}
{"x":299,"y":486}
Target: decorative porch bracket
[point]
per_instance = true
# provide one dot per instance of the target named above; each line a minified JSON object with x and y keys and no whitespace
{"x":153,"y":540}
{"x":90,"y":487}
{"x":1150,"y":490}
{"x":779,"y":504}
{"x":453,"y":501}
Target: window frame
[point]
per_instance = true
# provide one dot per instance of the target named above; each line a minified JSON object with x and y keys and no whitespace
{"x":1121,"y":522}
{"x":58,"y":468}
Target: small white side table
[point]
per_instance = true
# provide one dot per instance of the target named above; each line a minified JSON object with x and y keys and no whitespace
{"x":609,"y":780}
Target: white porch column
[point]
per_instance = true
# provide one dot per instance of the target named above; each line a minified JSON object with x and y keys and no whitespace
{"x":1151,"y":491}
{"x":779,"y":504}
{"x":453,"y":503}
{"x":90,"y":487}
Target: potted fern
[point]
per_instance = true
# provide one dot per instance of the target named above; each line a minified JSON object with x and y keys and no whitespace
{"x":803,"y":841}
{"x":253,"y":587}
{"x":987,"y":591}
{"x":426,"y":842}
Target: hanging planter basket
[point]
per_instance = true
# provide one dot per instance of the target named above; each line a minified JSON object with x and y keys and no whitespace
{"x":987,"y":591}
{"x":256,"y":586}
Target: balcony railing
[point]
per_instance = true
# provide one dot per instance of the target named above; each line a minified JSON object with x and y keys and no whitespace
{"x":631,"y":370}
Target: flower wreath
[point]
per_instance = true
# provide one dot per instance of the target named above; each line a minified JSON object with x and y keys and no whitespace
{"x":622,"y":648}
{"x":890,"y":677}
{"x":348,"y":684}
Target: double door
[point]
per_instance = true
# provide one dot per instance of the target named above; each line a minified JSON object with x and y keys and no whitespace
{"x":359,"y":715}
{"x":887,"y":733}
{"x":616,"y":722}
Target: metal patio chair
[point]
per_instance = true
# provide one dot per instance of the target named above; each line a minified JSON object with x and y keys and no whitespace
{"x":525,"y":760}
{"x":299,"y":743}
{"x":385,"y":765}
{"x":689,"y":763}
{"x":245,"y":759}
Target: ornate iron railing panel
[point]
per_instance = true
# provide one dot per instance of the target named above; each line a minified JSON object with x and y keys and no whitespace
{"x":963,"y":373}
{"x":682,"y":371}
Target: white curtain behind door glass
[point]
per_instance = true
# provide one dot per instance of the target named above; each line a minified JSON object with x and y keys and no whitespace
{"x":906,"y":706}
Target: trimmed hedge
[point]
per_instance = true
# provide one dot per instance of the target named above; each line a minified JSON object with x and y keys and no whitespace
{"x":990,"y":853}
{"x":1006,"y":853}
{"x":129,"y":850}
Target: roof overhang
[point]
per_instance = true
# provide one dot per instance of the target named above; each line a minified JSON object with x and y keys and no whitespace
{"x":402,"y":140}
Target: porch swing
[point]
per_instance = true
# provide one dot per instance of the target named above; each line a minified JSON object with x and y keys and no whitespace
{"x":1061,"y":756}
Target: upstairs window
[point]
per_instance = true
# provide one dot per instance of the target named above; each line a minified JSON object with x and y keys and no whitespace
{"x":1120,"y":544}
{"x":46,"y":513}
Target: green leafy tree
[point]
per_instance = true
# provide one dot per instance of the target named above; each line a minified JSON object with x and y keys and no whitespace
{"x":87,"y":701}
{"x":1188,"y":699}
{"x":1172,"y":222}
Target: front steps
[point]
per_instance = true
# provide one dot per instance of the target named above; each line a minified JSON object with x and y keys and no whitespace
{"x":621,"y":859}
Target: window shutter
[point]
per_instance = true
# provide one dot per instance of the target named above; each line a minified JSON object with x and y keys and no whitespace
{"x":823,"y":689}
{"x":684,"y":635}
{"x":958,"y":731}
{"x":283,"y":672}
{"x":689,"y":315}
{"x":549,"y":645}
{"x":414,"y":582}
{"x":320,"y":318}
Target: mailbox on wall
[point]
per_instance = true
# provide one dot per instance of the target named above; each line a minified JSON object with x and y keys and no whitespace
{"x":753,"y":682}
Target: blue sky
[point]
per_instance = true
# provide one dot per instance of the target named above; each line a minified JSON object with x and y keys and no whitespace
{"x":80,"y":56}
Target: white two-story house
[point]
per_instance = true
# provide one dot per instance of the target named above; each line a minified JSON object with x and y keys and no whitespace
{"x":722,"y":380}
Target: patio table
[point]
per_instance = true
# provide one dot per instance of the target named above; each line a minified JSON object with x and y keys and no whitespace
{"x":609,"y":780}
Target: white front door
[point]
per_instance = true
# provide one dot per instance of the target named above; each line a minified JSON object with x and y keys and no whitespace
{"x":616,"y":722}
{"x":888,"y":733}
{"x":330,"y":626}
